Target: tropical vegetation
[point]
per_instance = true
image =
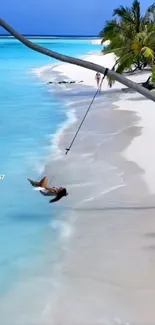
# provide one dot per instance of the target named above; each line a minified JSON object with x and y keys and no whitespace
{"x":132,"y":38}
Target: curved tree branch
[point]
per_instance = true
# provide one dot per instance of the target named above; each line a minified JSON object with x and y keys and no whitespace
{"x":79,"y":62}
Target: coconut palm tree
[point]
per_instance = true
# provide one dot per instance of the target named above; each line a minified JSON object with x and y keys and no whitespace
{"x":128,"y":22}
{"x":132,"y":37}
{"x":78,"y":62}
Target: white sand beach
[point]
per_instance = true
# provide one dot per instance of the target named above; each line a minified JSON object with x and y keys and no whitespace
{"x":141,"y":149}
{"x":107,"y":275}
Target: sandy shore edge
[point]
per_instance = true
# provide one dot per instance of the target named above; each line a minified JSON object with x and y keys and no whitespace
{"x":140,"y":150}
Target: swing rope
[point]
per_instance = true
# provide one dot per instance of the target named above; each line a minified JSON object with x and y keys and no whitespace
{"x":89,"y":107}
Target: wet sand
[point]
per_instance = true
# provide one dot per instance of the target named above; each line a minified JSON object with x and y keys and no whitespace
{"x":107,"y":272}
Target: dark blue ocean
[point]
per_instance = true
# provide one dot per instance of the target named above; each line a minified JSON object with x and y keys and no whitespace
{"x":29,"y":116}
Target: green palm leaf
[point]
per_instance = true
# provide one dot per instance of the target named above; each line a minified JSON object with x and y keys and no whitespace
{"x":123,"y":14}
{"x":153,"y":74}
{"x":122,"y":64}
{"x":148,"y":52}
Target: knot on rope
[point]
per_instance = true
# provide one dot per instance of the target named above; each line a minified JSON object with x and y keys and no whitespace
{"x":67,"y":150}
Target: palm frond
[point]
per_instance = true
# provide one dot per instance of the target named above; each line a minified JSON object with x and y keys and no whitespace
{"x":136,"y":15}
{"x":117,"y":50}
{"x":150,"y":38}
{"x":123,"y":14}
{"x":150,"y":14}
{"x":153,"y":74}
{"x":115,"y":44}
{"x":122,"y":64}
{"x":135,"y":6}
{"x":148,"y":53}
{"x":111,"y":29}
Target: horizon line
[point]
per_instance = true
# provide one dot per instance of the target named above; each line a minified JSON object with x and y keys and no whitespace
{"x":50,"y":36}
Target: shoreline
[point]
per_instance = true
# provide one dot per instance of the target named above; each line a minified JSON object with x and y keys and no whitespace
{"x":107,"y":272}
{"x":56,"y":70}
{"x":56,"y":138}
{"x":71,"y":72}
{"x":129,"y":153}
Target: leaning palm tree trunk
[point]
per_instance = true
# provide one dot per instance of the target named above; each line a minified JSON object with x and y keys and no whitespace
{"x":79,"y":62}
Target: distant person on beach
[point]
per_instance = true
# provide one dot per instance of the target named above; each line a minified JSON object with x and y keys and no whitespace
{"x":42,"y":187}
{"x":98,"y":78}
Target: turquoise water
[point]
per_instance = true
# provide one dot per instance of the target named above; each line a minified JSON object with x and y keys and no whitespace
{"x":29,"y":115}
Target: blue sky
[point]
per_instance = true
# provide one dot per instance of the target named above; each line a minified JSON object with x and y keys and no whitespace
{"x":60,"y":17}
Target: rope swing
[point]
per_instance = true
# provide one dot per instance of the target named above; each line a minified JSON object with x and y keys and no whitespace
{"x":89,"y":107}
